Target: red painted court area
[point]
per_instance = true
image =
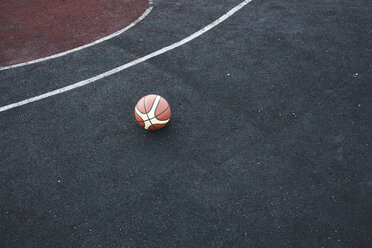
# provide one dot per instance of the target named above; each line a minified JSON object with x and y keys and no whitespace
{"x":32,"y":29}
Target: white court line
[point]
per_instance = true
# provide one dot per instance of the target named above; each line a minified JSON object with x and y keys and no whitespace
{"x":130,"y":64}
{"x":148,"y":10}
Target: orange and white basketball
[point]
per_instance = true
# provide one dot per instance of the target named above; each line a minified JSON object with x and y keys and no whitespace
{"x":152,"y":112}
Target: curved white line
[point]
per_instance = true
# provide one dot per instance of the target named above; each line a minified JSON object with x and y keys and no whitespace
{"x":148,"y":10}
{"x":130,"y":64}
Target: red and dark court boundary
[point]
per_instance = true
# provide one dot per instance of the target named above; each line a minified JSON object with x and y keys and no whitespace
{"x":36,"y":29}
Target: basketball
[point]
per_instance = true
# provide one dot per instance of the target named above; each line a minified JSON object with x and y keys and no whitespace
{"x":152,"y":112}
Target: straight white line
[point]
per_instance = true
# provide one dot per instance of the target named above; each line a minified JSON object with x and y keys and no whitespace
{"x":148,"y":10}
{"x":130,"y":64}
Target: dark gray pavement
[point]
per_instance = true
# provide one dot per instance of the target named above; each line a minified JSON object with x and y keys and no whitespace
{"x":269,"y":143}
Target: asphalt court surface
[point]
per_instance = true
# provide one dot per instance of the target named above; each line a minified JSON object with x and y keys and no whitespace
{"x":268,"y":145}
{"x":32,"y":30}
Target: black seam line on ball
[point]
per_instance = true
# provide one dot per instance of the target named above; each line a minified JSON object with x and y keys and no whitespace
{"x":161,"y":112}
{"x":144,"y":105}
{"x":155,"y":116}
